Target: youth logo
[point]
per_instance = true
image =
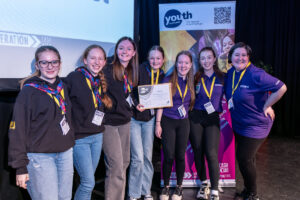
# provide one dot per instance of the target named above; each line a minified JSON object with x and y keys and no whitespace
{"x":174,"y":18}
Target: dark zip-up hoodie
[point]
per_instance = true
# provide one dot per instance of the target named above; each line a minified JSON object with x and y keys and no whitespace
{"x":35,"y":126}
{"x":144,"y":79}
{"x":121,"y":112}
{"x":83,"y":108}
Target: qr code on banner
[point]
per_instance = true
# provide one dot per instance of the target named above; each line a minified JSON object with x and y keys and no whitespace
{"x":222,"y":15}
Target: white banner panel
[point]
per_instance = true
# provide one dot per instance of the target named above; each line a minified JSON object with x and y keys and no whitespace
{"x":213,"y":15}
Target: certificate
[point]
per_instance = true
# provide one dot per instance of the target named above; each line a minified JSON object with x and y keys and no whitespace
{"x":155,"y":96}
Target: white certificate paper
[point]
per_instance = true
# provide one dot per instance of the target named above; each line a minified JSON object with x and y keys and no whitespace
{"x":155,"y":96}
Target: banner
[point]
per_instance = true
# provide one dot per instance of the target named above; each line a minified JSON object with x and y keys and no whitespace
{"x":192,"y":26}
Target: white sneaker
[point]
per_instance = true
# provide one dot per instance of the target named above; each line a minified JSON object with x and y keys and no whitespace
{"x":148,"y":197}
{"x":164,"y":194}
{"x":203,"y":192}
{"x":214,"y":197}
{"x":177,"y":195}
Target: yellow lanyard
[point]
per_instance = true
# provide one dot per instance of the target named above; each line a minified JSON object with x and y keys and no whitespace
{"x":56,"y":100}
{"x":180,"y":93}
{"x":94,"y":98}
{"x":211,"y":87}
{"x":152,"y":77}
{"x":241,"y":76}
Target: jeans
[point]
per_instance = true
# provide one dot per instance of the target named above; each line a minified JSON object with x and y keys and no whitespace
{"x":50,"y":175}
{"x":116,"y":148}
{"x":86,"y":156}
{"x":141,"y":168}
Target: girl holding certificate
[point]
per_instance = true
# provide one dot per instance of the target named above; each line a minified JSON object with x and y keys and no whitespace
{"x":40,"y":134}
{"x":142,"y":129}
{"x":87,"y":91}
{"x":205,"y":122}
{"x":247,"y":90}
{"x":121,"y":76}
{"x":172,"y":124}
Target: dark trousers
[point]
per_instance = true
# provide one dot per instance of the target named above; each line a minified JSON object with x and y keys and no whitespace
{"x":245,"y":153}
{"x":205,"y":139}
{"x":175,"y":135}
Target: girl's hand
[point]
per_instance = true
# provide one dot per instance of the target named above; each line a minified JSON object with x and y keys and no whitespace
{"x":21,"y":180}
{"x":158,"y":130}
{"x":269,"y":111}
{"x":140,"y":108}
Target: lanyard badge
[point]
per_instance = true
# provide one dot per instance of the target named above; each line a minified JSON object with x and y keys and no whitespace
{"x":181,"y":109}
{"x":208,"y":106}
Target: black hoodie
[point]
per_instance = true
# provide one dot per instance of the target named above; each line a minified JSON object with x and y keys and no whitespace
{"x":35,"y":126}
{"x":121,"y":111}
{"x":83,"y":108}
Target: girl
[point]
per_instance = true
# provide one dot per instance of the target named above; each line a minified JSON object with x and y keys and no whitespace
{"x":172,"y":124}
{"x":142,"y":130}
{"x":122,"y":75}
{"x":87,"y":91}
{"x":226,"y":43}
{"x":205,"y":122}
{"x":41,"y":137}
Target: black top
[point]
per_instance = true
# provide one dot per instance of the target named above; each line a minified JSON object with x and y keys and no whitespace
{"x":83,"y":108}
{"x":35,"y":126}
{"x":121,"y":112}
{"x":144,"y":79}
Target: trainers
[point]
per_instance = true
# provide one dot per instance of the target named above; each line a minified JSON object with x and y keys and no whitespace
{"x":214,"y":197}
{"x":203,"y":192}
{"x":177,"y":195}
{"x":131,"y":198}
{"x":165,"y":193}
{"x":148,"y":197}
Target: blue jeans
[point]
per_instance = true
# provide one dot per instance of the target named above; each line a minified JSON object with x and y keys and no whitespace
{"x":86,"y":155}
{"x":50,"y":175}
{"x":141,"y":168}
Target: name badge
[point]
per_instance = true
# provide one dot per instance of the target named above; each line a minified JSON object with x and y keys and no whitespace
{"x":230,"y":103}
{"x":129,"y":100}
{"x":64,"y":125}
{"x":182,"y":111}
{"x":209,"y":107}
{"x":98,"y":117}
{"x":198,"y":86}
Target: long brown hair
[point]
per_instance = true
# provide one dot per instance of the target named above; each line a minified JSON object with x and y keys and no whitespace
{"x":37,"y":72}
{"x":189,"y":77}
{"x":200,"y":72}
{"x":105,"y":99}
{"x":131,"y":69}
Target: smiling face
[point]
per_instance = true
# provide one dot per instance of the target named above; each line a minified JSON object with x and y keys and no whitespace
{"x":156,"y":59}
{"x":207,"y":60}
{"x":227,"y":44}
{"x":240,"y":58}
{"x":183,"y":64}
{"x":49,"y":65}
{"x":125,"y":52}
{"x":95,"y":61}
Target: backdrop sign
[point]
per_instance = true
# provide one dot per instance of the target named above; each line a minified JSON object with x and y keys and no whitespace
{"x":192,"y":26}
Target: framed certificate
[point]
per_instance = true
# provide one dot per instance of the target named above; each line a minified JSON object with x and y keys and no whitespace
{"x":155,"y":96}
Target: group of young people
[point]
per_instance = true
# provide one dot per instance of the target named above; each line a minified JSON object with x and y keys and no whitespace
{"x":57,"y":124}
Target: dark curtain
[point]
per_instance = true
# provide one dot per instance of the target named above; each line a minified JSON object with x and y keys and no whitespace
{"x":272,"y":29}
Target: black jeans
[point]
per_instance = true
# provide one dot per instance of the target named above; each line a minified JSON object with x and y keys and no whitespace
{"x":205,"y":139}
{"x":245,"y":153}
{"x":175,"y":135}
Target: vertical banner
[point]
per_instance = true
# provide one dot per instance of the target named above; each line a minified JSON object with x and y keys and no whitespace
{"x":192,"y":26}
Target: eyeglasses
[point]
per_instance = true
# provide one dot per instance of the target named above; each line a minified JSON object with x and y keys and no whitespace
{"x":45,"y":64}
